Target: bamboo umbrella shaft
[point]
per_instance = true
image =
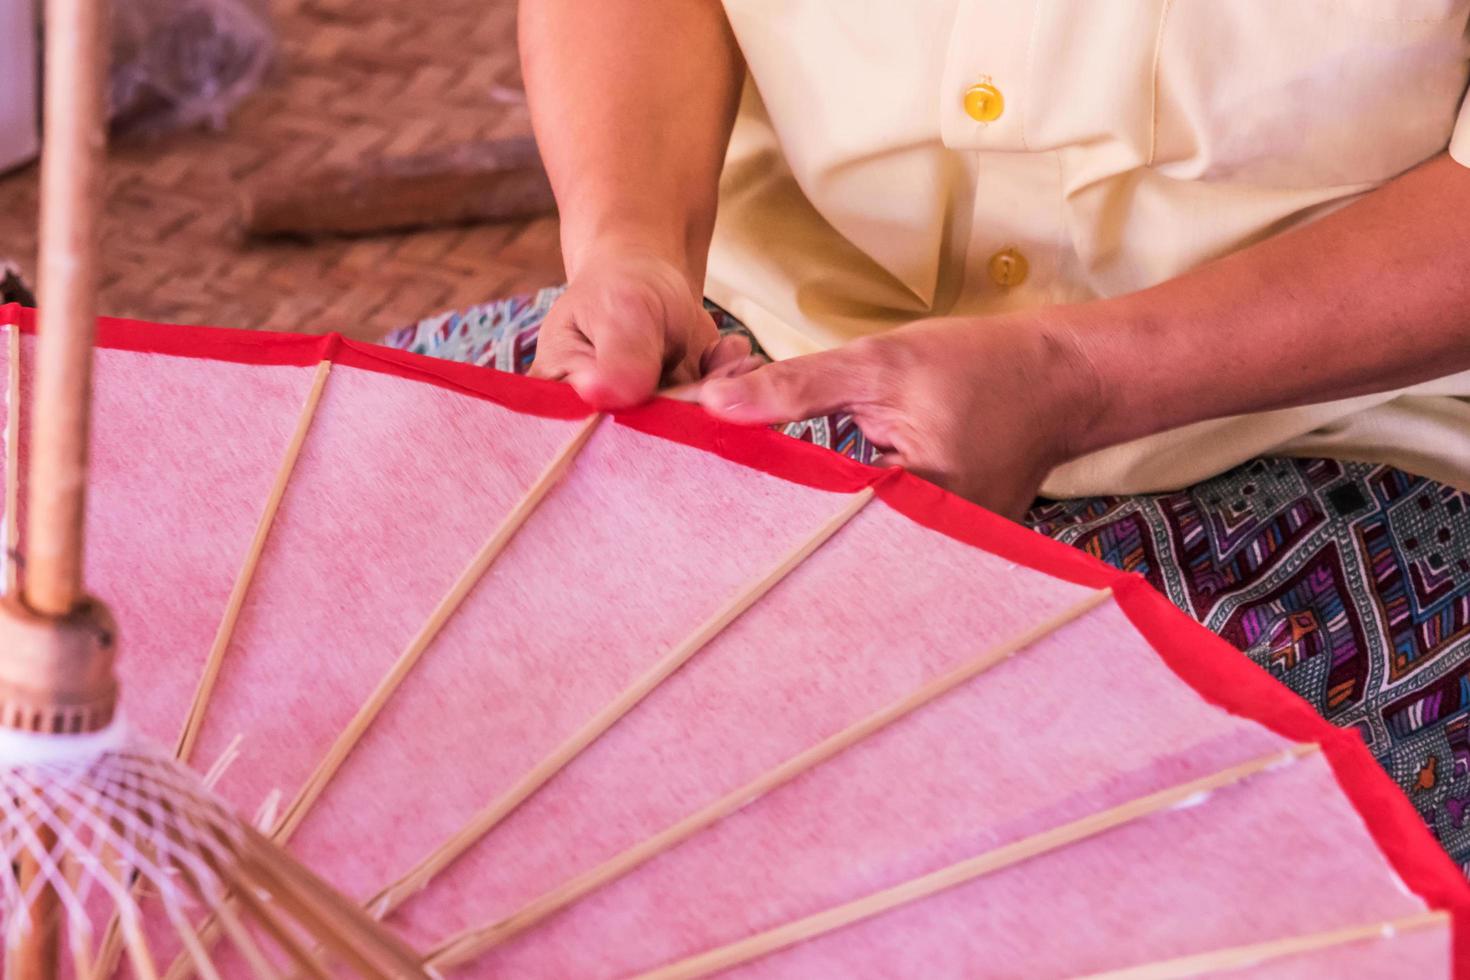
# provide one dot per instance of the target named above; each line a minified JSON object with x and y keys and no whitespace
{"x":71,"y":185}
{"x":71,"y":177}
{"x":12,"y":463}
{"x":37,"y":955}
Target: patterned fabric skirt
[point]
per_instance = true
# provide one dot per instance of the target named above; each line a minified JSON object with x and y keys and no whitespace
{"x":1349,"y":582}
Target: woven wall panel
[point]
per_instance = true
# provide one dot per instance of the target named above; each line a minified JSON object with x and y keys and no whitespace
{"x":355,"y":78}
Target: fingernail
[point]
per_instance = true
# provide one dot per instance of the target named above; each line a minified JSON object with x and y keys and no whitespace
{"x":748,"y":364}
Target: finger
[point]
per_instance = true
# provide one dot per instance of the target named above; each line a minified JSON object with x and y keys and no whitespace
{"x":623,"y":371}
{"x":685,"y":373}
{"x":801,"y":388}
{"x":557,"y":367}
{"x":729,"y":349}
{"x":736,"y":368}
{"x":689,"y":391}
{"x":685,"y":370}
{"x":688,"y":360}
{"x":683,"y":393}
{"x":560,"y":348}
{"x":745,"y":365}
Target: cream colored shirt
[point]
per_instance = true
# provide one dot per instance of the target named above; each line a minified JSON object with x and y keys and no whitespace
{"x":1134,"y":140}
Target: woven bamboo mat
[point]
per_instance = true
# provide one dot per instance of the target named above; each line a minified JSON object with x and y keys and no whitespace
{"x":353,"y":78}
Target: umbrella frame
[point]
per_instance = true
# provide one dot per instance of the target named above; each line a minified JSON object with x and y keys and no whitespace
{"x":1216,"y":670}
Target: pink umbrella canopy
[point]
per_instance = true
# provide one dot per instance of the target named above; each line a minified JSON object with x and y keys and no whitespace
{"x":559,"y":695}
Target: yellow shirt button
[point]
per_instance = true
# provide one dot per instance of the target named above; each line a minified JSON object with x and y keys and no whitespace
{"x":1008,"y":267}
{"x":984,"y":103}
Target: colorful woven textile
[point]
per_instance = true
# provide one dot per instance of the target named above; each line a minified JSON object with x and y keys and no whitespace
{"x":1348,"y":582}
{"x":502,"y":334}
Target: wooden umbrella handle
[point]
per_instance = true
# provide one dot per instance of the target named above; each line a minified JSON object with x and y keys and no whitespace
{"x":71,"y":187}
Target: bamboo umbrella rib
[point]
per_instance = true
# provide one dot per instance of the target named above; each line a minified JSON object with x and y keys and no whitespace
{"x":271,"y":923}
{"x":351,"y":934}
{"x":348,"y":738}
{"x":203,"y":964}
{"x":223,"y":918}
{"x":239,"y":934}
{"x":138,"y":954}
{"x":228,"y":921}
{"x":474,"y":941}
{"x":129,"y":937}
{"x":79,"y":938}
{"x":829,"y":920}
{"x":347,"y":930}
{"x":194,"y":721}
{"x":214,"y":661}
{"x":1237,"y":957}
{"x":110,"y":949}
{"x":78,"y":928}
{"x":12,"y":464}
{"x":598,"y":725}
{"x":81,"y":960}
{"x":441,"y":615}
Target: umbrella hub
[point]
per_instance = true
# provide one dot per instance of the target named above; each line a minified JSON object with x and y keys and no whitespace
{"x":56,"y":672}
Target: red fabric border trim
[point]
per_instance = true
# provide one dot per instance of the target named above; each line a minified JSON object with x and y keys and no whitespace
{"x":212,"y":343}
{"x":1215,"y":670}
{"x":1218,"y":672}
{"x":264,"y":347}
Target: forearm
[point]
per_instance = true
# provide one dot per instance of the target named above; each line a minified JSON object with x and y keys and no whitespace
{"x":632,"y":103}
{"x":1373,"y":297}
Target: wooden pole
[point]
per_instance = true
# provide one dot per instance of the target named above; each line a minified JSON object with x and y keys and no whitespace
{"x":71,"y":182}
{"x":37,"y":953}
{"x":71,"y":187}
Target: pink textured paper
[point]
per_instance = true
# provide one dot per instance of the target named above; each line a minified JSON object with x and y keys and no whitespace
{"x":178,"y":476}
{"x":398,"y":485}
{"x":176,"y":486}
{"x":401,"y":482}
{"x":643,"y":541}
{"x":1255,"y":861}
{"x":807,"y":662}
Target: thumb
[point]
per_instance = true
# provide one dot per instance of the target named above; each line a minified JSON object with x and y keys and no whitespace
{"x":620,"y":371}
{"x":801,"y":388}
{"x":724,"y":352}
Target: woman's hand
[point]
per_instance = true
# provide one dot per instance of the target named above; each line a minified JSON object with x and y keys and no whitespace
{"x":632,"y":102}
{"x":982,"y":407}
{"x":1370,"y":298}
{"x":629,"y":324}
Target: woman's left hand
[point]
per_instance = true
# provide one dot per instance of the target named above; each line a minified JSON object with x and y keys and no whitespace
{"x":984,"y":407}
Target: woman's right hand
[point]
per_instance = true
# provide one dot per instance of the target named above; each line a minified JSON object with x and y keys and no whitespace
{"x":630,"y":322}
{"x":632,"y":102}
